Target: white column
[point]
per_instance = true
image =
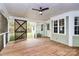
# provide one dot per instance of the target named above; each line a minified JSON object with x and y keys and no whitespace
{"x":71,"y":30}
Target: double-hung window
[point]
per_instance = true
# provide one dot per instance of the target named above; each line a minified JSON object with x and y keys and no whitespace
{"x":76,"y":28}
{"x":55,"y":26}
{"x":61,"y":26}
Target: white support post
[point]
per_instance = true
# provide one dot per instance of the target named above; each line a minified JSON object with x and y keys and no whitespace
{"x":71,"y":30}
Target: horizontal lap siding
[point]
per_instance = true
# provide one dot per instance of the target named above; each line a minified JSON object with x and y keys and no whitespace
{"x":62,"y":38}
{"x":75,"y":41}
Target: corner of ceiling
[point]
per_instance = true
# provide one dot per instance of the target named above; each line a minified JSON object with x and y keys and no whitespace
{"x":3,"y":10}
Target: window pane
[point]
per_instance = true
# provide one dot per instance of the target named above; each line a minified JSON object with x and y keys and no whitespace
{"x":77,"y":23}
{"x":75,"y":32}
{"x":75,"y":28}
{"x":55,"y":29}
{"x":47,"y":26}
{"x":61,"y":29}
{"x":55,"y":23}
{"x":78,"y":28}
{"x":60,"y":23}
{"x":76,"y":19}
{"x":42,"y":27}
{"x":78,"y":32}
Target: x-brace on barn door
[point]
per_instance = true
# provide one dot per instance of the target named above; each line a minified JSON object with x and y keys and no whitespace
{"x":20,"y":28}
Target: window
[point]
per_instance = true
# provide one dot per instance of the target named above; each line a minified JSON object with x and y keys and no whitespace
{"x":61,"y":26}
{"x":42,"y":27}
{"x":47,"y":26}
{"x":76,"y":23}
{"x":56,"y":26}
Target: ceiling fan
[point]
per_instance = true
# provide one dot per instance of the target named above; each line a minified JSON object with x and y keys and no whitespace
{"x":40,"y":10}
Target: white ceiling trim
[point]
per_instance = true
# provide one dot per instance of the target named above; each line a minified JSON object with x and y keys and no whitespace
{"x":28,"y":19}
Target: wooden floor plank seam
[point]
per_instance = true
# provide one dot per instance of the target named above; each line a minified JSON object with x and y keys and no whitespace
{"x":38,"y":47}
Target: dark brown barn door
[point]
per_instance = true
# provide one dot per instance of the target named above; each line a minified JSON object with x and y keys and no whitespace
{"x":20,"y":29}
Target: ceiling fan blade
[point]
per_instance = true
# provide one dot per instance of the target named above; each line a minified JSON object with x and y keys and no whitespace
{"x":35,"y":9}
{"x":44,"y":9}
{"x":40,"y":8}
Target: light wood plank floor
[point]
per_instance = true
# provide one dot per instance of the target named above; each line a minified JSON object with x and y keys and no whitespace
{"x":38,"y":47}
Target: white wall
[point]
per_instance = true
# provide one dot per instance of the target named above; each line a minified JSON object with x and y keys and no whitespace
{"x":71,"y":15}
{"x":75,"y":42}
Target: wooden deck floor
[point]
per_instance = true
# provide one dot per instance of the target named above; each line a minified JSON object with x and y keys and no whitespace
{"x":38,"y":47}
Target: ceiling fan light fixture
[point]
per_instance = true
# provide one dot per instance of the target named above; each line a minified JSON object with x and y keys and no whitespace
{"x":40,"y":10}
{"x":40,"y":13}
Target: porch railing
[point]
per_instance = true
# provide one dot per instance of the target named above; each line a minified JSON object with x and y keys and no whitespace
{"x":4,"y":38}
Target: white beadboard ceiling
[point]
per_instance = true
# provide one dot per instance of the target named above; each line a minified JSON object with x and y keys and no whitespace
{"x":25,"y":9}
